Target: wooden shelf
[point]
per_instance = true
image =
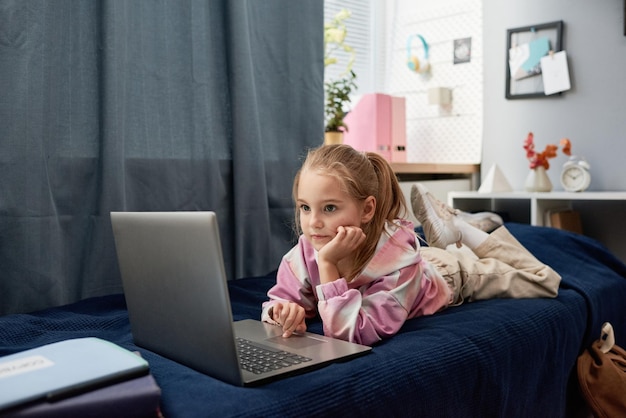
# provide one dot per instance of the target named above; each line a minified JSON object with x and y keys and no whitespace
{"x":433,"y":171}
{"x":432,"y":168}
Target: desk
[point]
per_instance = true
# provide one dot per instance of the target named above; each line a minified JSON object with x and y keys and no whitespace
{"x":434,"y":171}
{"x":439,"y":178}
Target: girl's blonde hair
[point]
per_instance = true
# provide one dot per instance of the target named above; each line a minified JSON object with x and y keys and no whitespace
{"x":361,"y":174}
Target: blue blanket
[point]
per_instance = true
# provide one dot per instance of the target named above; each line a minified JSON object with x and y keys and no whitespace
{"x":489,"y":358}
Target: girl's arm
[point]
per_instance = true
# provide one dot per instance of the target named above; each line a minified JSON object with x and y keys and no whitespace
{"x":291,"y":287}
{"x":379,"y":312}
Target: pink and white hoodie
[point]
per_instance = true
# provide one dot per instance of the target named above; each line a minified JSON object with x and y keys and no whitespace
{"x":394,"y":286}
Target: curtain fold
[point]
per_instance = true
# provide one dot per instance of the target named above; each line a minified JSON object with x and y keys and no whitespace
{"x":148,"y":105}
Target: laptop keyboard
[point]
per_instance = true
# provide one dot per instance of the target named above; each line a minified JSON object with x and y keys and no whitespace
{"x":259,"y":359}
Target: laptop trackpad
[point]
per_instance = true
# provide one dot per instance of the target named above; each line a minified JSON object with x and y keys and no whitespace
{"x":296,"y":341}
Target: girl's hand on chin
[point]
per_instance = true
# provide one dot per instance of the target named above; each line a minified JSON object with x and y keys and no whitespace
{"x":347,"y":240}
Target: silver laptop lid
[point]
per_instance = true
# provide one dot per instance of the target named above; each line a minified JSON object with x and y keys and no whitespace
{"x":187,"y":319}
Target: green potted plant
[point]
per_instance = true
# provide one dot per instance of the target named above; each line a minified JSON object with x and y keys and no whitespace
{"x":337,"y":98}
{"x":337,"y":92}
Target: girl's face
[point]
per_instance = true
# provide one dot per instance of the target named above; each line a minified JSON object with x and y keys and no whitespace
{"x":324,"y":206}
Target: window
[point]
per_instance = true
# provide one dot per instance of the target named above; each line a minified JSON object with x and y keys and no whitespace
{"x":366,"y":36}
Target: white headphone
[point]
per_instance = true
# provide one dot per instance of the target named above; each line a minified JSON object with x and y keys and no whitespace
{"x":412,"y":61}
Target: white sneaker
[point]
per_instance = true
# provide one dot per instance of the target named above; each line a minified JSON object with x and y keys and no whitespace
{"x":436,"y":218}
{"x":485,"y":221}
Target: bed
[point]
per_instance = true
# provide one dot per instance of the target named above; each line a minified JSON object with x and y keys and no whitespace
{"x":496,"y":358}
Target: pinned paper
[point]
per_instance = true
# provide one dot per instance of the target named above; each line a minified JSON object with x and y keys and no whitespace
{"x":524,"y":60}
{"x":495,"y":181}
{"x":555,"y":73}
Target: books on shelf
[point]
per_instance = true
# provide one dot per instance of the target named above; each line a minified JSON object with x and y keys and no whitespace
{"x":71,"y":377}
{"x":564,"y":218}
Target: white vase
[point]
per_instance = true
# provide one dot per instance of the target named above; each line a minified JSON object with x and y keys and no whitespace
{"x":538,"y":180}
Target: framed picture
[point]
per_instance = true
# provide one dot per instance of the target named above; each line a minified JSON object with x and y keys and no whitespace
{"x":525,"y":47}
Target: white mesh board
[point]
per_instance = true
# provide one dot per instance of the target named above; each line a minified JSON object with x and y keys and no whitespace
{"x":439,"y":134}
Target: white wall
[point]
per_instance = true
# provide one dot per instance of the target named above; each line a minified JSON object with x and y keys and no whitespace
{"x":592,"y":114}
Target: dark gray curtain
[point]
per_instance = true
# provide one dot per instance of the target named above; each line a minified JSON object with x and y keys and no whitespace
{"x":148,"y":105}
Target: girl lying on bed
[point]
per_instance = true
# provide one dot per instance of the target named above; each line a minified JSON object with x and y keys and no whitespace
{"x":361,"y":267}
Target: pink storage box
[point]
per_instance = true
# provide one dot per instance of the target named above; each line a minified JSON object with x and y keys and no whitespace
{"x":378,"y":123}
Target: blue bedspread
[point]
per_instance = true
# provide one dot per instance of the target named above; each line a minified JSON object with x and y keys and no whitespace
{"x":496,"y":358}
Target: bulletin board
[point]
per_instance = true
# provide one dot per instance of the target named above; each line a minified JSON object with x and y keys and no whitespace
{"x":525,"y":46}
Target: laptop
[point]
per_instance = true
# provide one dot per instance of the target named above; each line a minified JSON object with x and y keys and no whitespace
{"x":176,"y":292}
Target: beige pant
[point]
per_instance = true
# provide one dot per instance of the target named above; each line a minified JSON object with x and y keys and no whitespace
{"x":499,"y":268}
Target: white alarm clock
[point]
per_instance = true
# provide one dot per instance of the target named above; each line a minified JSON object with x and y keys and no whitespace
{"x":575,"y":175}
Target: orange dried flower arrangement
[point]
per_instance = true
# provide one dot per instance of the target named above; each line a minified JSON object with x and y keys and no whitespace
{"x":540,"y":159}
